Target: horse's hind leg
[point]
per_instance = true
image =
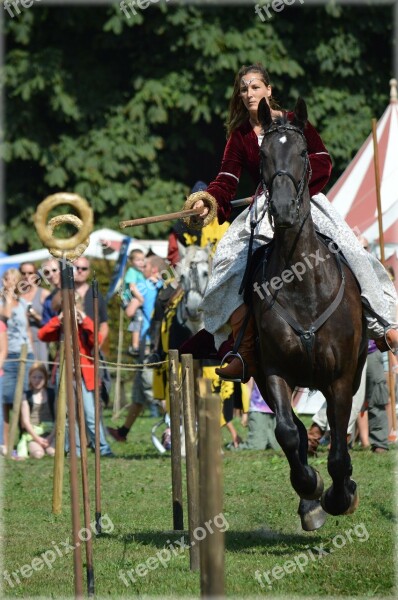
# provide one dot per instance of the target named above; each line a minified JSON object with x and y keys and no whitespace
{"x":292,"y":437}
{"x":341,"y":497}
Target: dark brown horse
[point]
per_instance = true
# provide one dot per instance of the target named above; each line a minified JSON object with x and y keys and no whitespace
{"x":309,"y":321}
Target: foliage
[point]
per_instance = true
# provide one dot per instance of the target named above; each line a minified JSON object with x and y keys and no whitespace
{"x":128,"y":112}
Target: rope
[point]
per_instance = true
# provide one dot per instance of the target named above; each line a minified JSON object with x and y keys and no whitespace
{"x":113,"y":365}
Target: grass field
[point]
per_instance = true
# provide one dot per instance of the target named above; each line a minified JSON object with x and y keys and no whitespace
{"x":350,"y":556}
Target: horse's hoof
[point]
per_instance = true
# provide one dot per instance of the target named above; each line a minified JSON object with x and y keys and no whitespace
{"x":312,"y":515}
{"x":338,"y":509}
{"x":317,"y":493}
{"x":354,"y":502}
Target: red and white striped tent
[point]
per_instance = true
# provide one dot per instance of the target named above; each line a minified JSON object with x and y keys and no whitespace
{"x":354,"y":194}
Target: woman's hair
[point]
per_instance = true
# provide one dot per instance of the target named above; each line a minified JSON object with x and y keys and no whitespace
{"x":34,"y":279}
{"x":27,"y":263}
{"x":237,"y":113}
{"x":78,"y":302}
{"x":12,"y":272}
{"x":38,"y":366}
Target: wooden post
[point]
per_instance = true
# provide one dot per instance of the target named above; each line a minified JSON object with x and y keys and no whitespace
{"x":175,"y":422}
{"x":188,"y":401}
{"x":67,"y":283}
{"x":116,"y":398}
{"x":16,"y":407}
{"x":83,"y":443}
{"x":382,"y":259}
{"x":97,"y":411}
{"x":59,"y":458}
{"x":211,"y":500}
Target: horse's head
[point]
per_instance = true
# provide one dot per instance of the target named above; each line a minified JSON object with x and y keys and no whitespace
{"x":284,"y":163}
{"x":193,"y":272}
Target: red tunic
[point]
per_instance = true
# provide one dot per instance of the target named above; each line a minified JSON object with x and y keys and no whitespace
{"x":243,"y":151}
{"x":51,"y":332}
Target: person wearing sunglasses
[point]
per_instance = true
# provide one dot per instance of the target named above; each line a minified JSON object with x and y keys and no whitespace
{"x":52,"y":274}
{"x":34,"y":295}
{"x":81,"y":274}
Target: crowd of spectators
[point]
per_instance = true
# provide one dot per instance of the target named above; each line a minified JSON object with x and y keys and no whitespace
{"x":31,"y":318}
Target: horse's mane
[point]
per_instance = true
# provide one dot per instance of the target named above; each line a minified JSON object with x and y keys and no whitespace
{"x":280,"y":120}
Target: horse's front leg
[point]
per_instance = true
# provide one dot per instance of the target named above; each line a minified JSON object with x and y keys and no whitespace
{"x":305,"y":480}
{"x":341,"y":497}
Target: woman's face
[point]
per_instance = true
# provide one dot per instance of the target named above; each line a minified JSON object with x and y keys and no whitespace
{"x":252,"y":90}
{"x":28,"y":272}
{"x":52,"y":273}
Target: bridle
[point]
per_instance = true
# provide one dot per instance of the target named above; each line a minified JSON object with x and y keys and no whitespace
{"x":266,"y":188}
{"x":298,"y":186}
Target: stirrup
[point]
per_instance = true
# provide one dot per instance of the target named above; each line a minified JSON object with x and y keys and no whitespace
{"x":233,"y":355}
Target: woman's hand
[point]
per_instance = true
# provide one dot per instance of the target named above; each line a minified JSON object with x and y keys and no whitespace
{"x":33,"y":314}
{"x":44,"y":443}
{"x":80,"y":316}
{"x":200,"y":204}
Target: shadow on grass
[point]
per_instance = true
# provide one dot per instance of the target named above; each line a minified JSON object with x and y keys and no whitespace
{"x":273,"y":542}
{"x":388,"y":515}
{"x":142,"y":456}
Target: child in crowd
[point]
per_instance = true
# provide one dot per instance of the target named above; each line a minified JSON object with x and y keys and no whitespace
{"x":133,"y":297}
{"x":261,"y":423}
{"x":37,"y":416}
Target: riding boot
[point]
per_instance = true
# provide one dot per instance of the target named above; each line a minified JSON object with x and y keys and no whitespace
{"x":314,"y":434}
{"x":237,"y":369}
{"x":389,"y":341}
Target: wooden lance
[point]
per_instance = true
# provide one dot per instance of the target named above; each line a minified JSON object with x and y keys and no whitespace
{"x":182,"y":214}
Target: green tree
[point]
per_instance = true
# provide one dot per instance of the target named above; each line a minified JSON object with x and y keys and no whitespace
{"x":129,"y":112}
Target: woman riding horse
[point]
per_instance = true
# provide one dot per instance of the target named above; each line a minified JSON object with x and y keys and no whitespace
{"x":223,"y":306}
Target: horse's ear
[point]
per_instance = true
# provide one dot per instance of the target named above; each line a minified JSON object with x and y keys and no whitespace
{"x":181,"y":250}
{"x":264,"y":114}
{"x":300,"y":113}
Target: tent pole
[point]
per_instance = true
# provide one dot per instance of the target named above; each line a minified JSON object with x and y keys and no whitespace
{"x":378,"y":197}
{"x":391,"y":385}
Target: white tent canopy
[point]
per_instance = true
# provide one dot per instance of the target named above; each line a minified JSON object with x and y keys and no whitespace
{"x":104,"y":243}
{"x":354,"y":194}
